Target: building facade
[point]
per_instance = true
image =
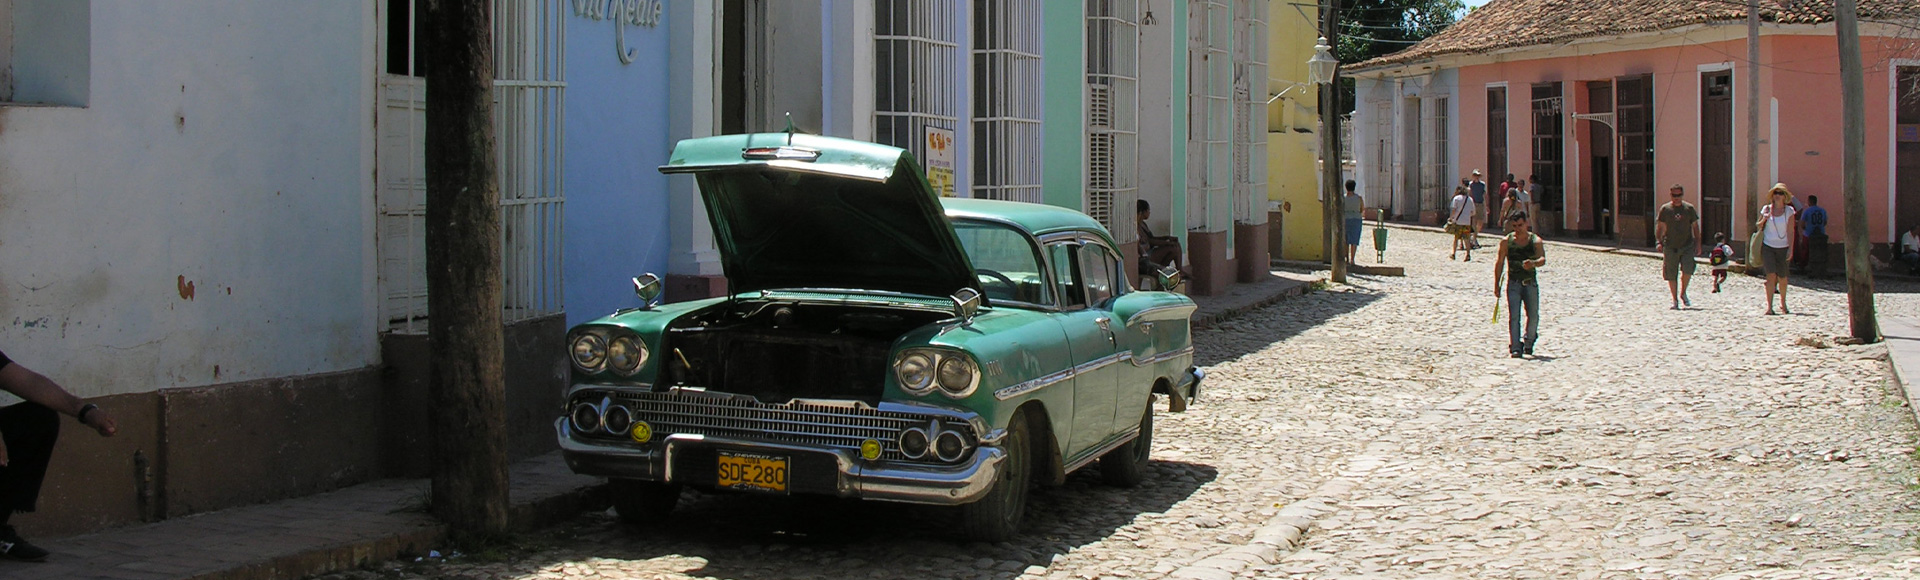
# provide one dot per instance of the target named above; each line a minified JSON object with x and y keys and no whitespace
{"x":213,"y":226}
{"x":1666,"y":85}
{"x":1091,"y":105}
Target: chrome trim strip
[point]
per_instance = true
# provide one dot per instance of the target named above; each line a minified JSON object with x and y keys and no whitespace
{"x":1163,"y":357}
{"x":1156,"y":309}
{"x":1102,"y":362}
{"x":1121,"y":439}
{"x":1032,"y":385}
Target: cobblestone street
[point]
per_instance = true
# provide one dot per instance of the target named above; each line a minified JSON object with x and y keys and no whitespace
{"x":1642,"y":442}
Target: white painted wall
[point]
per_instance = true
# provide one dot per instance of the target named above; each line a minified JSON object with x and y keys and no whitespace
{"x":226,"y":147}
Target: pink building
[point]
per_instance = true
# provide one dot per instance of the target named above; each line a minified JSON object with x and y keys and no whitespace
{"x":1505,"y":82}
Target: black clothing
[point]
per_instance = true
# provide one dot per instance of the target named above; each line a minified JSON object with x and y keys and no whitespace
{"x":29,"y":429}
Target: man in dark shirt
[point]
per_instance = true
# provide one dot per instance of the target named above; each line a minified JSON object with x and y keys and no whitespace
{"x":1156,"y":252}
{"x":1812,"y":248}
{"x":27,"y":433}
{"x":1677,"y":234}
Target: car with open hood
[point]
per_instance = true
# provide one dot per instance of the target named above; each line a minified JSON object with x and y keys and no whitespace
{"x":876,"y":341}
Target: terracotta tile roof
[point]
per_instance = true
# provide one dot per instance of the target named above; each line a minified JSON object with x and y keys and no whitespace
{"x":1505,"y":24}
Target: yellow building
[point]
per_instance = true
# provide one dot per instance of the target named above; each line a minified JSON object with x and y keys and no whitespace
{"x":1293,"y":142}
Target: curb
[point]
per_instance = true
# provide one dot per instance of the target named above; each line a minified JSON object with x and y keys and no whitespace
{"x":1902,"y":338}
{"x":539,"y":512}
{"x":1203,"y":322}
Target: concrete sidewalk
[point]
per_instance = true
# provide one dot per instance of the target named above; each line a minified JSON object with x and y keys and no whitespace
{"x":1902,"y":336}
{"x":343,"y":529}
{"x":384,"y":520}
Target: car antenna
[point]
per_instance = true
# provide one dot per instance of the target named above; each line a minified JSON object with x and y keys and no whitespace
{"x":789,"y":128}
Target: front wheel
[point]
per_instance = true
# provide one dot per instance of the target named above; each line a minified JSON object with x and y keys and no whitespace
{"x":996,"y":516}
{"x":643,"y":502}
{"x":1126,"y":465}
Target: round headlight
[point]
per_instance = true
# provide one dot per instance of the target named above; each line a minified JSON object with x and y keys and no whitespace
{"x":625,"y":355}
{"x":590,"y":352}
{"x":957,"y":376}
{"x":618,"y":420}
{"x":585,"y":418}
{"x":916,"y":372}
{"x":949,"y":446}
{"x":913,"y":443}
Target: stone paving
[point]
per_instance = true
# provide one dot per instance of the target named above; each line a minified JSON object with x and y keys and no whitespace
{"x":1642,"y":442}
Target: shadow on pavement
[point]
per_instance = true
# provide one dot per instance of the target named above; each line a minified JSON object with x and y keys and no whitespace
{"x":1263,"y":327}
{"x":752,"y":536}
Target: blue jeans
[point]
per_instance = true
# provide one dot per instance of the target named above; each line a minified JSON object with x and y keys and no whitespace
{"x":1518,"y":295}
{"x":1911,"y":259}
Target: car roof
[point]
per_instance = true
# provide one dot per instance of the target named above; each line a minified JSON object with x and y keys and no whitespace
{"x":1036,"y":218}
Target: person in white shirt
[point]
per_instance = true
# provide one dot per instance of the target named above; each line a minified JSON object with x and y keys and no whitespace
{"x":1460,"y":223}
{"x":1776,"y":243}
{"x":1910,"y":250}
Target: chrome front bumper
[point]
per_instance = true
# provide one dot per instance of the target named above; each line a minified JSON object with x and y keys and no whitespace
{"x":665,"y":460}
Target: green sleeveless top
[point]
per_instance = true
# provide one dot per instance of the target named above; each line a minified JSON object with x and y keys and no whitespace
{"x":1517,"y":253}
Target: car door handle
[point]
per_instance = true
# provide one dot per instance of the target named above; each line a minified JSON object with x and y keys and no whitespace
{"x":1103,"y":322}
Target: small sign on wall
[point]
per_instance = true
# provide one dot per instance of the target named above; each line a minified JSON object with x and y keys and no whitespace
{"x":623,"y":13}
{"x":940,"y":160}
{"x":1909,"y":133}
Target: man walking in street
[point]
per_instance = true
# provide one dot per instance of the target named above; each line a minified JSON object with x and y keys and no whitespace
{"x":1479,"y":196}
{"x":1813,"y":238}
{"x":1677,"y":234}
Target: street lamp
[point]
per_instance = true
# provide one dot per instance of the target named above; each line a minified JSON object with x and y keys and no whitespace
{"x":1321,"y":69}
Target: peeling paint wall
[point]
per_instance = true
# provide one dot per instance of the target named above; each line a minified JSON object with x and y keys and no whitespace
{"x":203,"y":219}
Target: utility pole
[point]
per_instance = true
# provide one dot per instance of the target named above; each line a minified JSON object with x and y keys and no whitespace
{"x":1753,"y":117}
{"x":467,"y":391}
{"x":1331,"y":211}
{"x":1860,"y":314}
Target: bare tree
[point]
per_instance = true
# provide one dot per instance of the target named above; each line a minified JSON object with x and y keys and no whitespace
{"x":467,"y":389}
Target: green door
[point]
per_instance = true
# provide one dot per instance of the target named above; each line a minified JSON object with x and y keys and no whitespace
{"x":1086,"y":279}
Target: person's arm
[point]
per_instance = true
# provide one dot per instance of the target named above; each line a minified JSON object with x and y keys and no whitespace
{"x":1659,"y":231}
{"x":1696,"y":237}
{"x":37,"y":388}
{"x":1499,"y":266}
{"x":1540,"y":254}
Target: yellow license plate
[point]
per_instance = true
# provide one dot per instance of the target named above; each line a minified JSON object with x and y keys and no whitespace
{"x":753,"y":472}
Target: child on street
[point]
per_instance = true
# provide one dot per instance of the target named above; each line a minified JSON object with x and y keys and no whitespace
{"x":1718,"y":258}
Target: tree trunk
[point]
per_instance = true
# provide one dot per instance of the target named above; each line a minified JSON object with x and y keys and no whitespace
{"x":1860,"y":316}
{"x":467,"y":390}
{"x":1332,"y":210}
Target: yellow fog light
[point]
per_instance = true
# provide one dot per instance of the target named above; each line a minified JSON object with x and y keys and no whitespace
{"x":870,"y":450}
{"x":642,"y":432}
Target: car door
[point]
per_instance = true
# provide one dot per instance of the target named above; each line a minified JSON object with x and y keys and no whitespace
{"x":1086,"y":282}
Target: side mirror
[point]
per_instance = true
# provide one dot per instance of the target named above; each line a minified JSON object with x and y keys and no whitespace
{"x":647,"y":287}
{"x":966,"y":303}
{"x":1169,"y":278}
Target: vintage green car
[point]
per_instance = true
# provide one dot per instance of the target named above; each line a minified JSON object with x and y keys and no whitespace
{"x":875,"y":344}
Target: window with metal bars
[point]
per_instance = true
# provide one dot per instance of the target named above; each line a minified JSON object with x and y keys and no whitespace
{"x":1112,"y":115}
{"x":1434,"y":177}
{"x":917,"y":69}
{"x":1250,"y":111}
{"x":1210,"y":115}
{"x":1006,"y":99}
{"x":529,"y":119}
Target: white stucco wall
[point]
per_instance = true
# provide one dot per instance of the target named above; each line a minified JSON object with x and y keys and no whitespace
{"x":206,"y":217}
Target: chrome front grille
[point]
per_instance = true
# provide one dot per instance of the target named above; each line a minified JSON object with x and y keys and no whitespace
{"x":794,"y":422}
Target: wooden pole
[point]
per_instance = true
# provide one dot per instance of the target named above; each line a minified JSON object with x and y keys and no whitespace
{"x":1860,"y":312}
{"x":1753,"y":121}
{"x":467,"y":391}
{"x":1332,"y":210}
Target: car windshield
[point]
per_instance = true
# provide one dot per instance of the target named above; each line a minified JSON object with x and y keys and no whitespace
{"x":1007,"y":263}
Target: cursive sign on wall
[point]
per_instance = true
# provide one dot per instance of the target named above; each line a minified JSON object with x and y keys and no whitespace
{"x":623,"y":13}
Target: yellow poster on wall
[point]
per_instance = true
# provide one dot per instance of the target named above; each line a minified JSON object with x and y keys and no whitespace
{"x":940,"y":160}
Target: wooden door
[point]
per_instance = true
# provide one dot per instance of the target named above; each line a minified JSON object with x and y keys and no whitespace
{"x":1600,"y":200}
{"x":1496,"y":140}
{"x":1716,"y":154}
{"x":1549,"y":155}
{"x":1635,"y":117}
{"x":1906,"y":210}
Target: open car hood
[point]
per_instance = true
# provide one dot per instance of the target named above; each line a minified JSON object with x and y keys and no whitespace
{"x":806,"y":211}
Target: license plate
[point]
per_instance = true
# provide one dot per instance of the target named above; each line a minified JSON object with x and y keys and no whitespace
{"x":752,"y":472}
